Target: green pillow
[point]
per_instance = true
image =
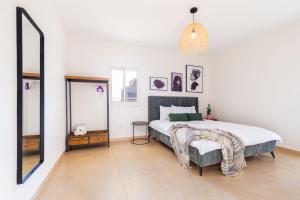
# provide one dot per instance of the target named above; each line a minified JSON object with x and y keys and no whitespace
{"x":194,"y":116}
{"x":178,"y":117}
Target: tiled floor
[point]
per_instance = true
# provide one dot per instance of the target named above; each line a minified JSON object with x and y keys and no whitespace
{"x":126,"y":171}
{"x":29,"y":162}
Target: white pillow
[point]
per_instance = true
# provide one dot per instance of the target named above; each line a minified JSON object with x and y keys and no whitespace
{"x":179,"y":109}
{"x":164,"y":112}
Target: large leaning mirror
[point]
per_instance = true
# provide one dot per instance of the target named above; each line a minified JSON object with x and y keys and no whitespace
{"x":30,"y":96}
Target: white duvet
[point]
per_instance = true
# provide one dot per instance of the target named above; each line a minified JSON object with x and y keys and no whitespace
{"x":250,"y":135}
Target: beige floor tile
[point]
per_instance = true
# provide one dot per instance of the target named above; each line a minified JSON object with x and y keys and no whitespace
{"x":152,"y":186}
{"x":95,"y":189}
{"x":151,"y":172}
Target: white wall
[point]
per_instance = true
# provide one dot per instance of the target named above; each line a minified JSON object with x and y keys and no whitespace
{"x":46,"y":17}
{"x":258,"y":83}
{"x":88,"y":106}
{"x":31,"y":47}
{"x":92,"y":56}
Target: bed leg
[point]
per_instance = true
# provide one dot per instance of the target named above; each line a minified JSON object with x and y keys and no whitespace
{"x":273,"y":155}
{"x":200,"y":170}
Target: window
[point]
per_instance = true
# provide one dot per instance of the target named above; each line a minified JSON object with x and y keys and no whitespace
{"x":124,"y":85}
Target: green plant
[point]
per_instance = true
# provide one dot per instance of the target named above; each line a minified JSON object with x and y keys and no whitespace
{"x":208,"y":109}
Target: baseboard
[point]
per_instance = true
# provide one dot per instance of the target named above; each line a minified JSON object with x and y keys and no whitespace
{"x":295,"y":152}
{"x":121,"y":139}
{"x":43,"y":184}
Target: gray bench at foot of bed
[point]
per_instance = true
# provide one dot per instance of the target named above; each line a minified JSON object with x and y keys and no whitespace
{"x":214,"y":157}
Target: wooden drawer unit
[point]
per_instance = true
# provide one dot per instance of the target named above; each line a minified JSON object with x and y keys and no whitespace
{"x":79,"y":140}
{"x":31,"y":146}
{"x":31,"y":143}
{"x":98,"y":138}
{"x":92,"y":137}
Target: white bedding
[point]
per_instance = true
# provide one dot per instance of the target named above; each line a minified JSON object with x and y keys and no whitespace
{"x":250,"y":135}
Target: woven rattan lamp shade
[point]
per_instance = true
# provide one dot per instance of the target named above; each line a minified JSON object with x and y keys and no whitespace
{"x":194,"y":42}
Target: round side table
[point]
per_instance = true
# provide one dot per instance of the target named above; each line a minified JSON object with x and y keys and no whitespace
{"x":146,"y":139}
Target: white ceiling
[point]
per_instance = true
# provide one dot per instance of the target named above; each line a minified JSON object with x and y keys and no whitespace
{"x":158,"y":23}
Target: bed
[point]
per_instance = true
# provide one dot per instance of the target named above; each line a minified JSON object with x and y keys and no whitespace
{"x":205,"y":153}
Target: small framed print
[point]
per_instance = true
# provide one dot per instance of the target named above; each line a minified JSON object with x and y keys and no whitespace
{"x":176,"y":82}
{"x":158,"y":83}
{"x":194,"y":79}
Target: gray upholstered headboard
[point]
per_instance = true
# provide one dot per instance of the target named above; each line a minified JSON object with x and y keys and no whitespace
{"x":155,"y":101}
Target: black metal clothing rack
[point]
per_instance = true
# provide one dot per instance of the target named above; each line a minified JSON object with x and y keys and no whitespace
{"x":68,"y":87}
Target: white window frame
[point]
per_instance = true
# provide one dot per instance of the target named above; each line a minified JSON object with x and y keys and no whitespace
{"x":124,"y":69}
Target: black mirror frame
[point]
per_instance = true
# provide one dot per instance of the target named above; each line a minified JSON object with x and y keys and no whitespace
{"x":20,"y":12}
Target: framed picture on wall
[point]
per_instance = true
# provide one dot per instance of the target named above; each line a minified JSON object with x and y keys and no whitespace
{"x":194,"y":79}
{"x":158,"y":83}
{"x":176,"y":82}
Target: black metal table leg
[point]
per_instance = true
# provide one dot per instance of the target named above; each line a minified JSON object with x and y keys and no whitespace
{"x":132,"y":141}
{"x":146,"y":138}
{"x":147,"y":134}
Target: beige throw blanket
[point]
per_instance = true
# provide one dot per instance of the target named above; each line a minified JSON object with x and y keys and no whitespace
{"x":232,"y":146}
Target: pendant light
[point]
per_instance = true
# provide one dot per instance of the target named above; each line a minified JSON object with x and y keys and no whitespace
{"x":194,"y":38}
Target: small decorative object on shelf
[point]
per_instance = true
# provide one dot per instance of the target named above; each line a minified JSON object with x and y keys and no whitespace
{"x":209,"y":116}
{"x":99,"y":89}
{"x":146,"y":139}
{"x":27,"y":86}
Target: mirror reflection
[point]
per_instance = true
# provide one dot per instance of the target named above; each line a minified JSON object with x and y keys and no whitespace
{"x":31,"y":97}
